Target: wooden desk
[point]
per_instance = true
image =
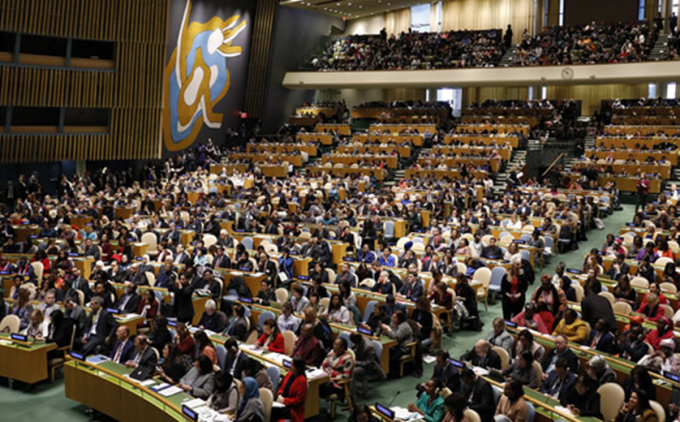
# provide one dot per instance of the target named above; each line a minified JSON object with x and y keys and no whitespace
{"x":649,"y":143}
{"x":403,"y":151}
{"x":494,"y":140}
{"x":439,"y":174}
{"x":495,"y":164}
{"x":340,"y":129}
{"x":398,"y":128}
{"x":295,"y":160}
{"x":505,"y":153}
{"x":24,"y":231}
{"x":322,"y":138}
{"x":625,"y":184}
{"x":257,"y":148}
{"x":106,"y":388}
{"x":633,"y":130}
{"x":632,"y":169}
{"x":641,"y":156}
{"x":416,"y":140}
{"x":342,"y":171}
{"x":492,"y":129}
{"x":27,"y":364}
{"x":392,"y":161}
{"x":317,"y":111}
{"x":500,"y":120}
{"x":229,"y":168}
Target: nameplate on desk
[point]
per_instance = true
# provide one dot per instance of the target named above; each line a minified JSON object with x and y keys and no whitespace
{"x":4,"y":272}
{"x":293,"y":253}
{"x":303,"y":277}
{"x":670,"y":376}
{"x":88,"y":224}
{"x":348,"y":259}
{"x":25,"y":223}
{"x":520,"y":241}
{"x":139,"y":258}
{"x":19,"y":337}
{"x":457,"y":363}
{"x":384,"y":411}
{"x":73,"y":254}
{"x":113,"y":311}
{"x":246,"y":300}
{"x":365,"y":331}
{"x":240,"y":230}
{"x":631,"y":225}
{"x":191,"y":414}
{"x":246,"y":269}
{"x":540,"y":229}
{"x":172,"y":323}
{"x":511,"y":324}
{"x":193,"y":243}
{"x":573,"y":271}
{"x":33,"y":236}
{"x":287,"y":363}
{"x":78,"y":356}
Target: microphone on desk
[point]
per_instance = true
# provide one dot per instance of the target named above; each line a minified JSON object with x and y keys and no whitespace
{"x":392,"y":401}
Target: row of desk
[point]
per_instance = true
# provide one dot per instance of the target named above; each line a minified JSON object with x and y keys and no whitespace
{"x":494,"y":140}
{"x":624,"y":184}
{"x":403,"y":151}
{"x":493,"y":163}
{"x":641,"y":156}
{"x":258,"y":148}
{"x":633,"y":169}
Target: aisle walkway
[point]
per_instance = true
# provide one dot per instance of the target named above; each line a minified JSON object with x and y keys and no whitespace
{"x":47,"y":401}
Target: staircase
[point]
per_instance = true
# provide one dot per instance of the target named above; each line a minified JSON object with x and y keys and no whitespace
{"x":660,"y":49}
{"x":517,"y":159}
{"x":509,"y":56}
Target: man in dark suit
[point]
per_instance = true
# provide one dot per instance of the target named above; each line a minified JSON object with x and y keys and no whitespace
{"x":483,"y":356}
{"x":124,"y":347}
{"x":446,"y":373}
{"x":239,"y":328}
{"x":601,"y":338}
{"x":559,"y":380}
{"x":271,"y":227}
{"x":77,"y":314}
{"x":319,"y":250}
{"x":78,"y":282}
{"x":308,"y":347}
{"x":137,"y":276}
{"x":595,"y":307}
{"x":208,"y":282}
{"x":492,"y":251}
{"x":367,"y":363}
{"x":267,"y":266}
{"x":479,"y":395}
{"x":560,"y":351}
{"x":91,"y":250}
{"x":221,"y":260}
{"x":100,"y":328}
{"x":117,"y":274}
{"x":182,"y":257}
{"x":129,"y":301}
{"x":236,"y":359}
{"x":144,"y":355}
{"x":173,"y":234}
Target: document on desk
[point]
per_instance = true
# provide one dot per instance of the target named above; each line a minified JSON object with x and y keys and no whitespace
{"x":148,"y":382}
{"x":194,"y":404}
{"x":564,"y":410}
{"x":277,"y":404}
{"x":402,"y":414}
{"x":170,"y":391}
{"x":97,"y":359}
{"x":314,"y":373}
{"x":160,"y":386}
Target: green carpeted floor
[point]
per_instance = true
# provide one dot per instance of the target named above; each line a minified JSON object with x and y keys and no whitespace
{"x":47,"y":401}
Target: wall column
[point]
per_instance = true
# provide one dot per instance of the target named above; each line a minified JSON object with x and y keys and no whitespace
{"x":265,"y":15}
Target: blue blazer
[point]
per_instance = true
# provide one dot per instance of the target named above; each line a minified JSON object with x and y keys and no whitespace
{"x":127,"y":353}
{"x":548,"y":387}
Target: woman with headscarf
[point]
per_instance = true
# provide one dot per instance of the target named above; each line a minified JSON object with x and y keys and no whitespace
{"x":251,"y":408}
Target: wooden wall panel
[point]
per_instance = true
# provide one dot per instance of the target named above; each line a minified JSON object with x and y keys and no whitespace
{"x":132,"y":91}
{"x":265,"y":14}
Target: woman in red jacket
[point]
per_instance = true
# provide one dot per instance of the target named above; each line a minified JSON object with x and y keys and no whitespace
{"x":271,"y":339}
{"x":292,"y":394}
{"x":148,"y":307}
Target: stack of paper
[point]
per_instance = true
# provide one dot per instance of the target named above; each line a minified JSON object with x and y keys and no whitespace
{"x":170,"y":391}
{"x":402,"y":414}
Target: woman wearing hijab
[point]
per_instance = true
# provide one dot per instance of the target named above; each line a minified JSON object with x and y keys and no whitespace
{"x":251,"y":408}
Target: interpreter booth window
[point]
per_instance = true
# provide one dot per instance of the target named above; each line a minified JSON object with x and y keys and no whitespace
{"x":453,"y":96}
{"x":420,"y":18}
{"x":671,"y":92}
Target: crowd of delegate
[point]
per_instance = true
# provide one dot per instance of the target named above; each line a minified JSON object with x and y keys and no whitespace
{"x":412,"y":50}
{"x":438,"y":271}
{"x":591,"y":43}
